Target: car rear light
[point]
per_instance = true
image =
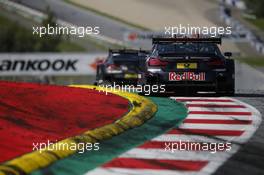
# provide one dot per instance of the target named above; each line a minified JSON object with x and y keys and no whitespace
{"x":124,"y":67}
{"x":157,"y":62}
{"x":215,"y":62}
{"x":113,"y":68}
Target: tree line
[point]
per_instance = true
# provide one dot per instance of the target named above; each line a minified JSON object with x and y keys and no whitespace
{"x":14,"y":38}
{"x":256,"y":6}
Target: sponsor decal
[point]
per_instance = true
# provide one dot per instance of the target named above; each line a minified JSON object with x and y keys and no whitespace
{"x":49,"y":64}
{"x":191,"y":76}
{"x":132,"y":36}
{"x":38,"y":65}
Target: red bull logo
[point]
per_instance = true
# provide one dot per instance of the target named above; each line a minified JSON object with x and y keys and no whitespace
{"x":188,"y":76}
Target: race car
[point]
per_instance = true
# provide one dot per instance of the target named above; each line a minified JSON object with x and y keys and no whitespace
{"x":190,"y":65}
{"x":121,"y":67}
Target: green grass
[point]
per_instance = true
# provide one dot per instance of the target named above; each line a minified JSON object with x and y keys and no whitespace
{"x":252,"y":61}
{"x":257,"y":22}
{"x":66,"y":46}
{"x":4,"y":21}
{"x":108,"y":16}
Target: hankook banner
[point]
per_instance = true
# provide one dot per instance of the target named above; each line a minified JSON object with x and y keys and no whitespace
{"x":49,"y":64}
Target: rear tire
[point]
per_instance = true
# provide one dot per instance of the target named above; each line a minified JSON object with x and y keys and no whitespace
{"x":231,"y":77}
{"x":227,"y":88}
{"x":230,"y":93}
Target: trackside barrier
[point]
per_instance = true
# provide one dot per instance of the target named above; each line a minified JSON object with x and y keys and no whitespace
{"x":235,"y":3}
{"x":49,"y":64}
{"x":142,"y":109}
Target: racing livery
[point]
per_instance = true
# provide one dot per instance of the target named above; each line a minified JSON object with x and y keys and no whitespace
{"x":190,"y":64}
{"x":122,"y":66}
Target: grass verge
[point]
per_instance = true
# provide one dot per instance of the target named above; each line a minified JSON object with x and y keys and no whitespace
{"x":23,"y":32}
{"x":252,"y":61}
{"x":66,"y":46}
{"x":257,"y":22}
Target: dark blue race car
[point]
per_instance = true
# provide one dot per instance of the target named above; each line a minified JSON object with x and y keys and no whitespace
{"x":121,"y":67}
{"x":190,"y":65}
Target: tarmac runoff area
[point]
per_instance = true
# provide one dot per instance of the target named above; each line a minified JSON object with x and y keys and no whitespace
{"x":156,"y":14}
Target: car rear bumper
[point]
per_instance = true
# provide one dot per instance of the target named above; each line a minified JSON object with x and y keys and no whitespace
{"x":123,"y":78}
{"x":191,"y":86}
{"x":213,"y":81}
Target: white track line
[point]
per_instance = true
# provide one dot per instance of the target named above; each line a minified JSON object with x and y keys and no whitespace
{"x":213,"y":126}
{"x":127,"y":171}
{"x":190,"y":138}
{"x":219,"y":117}
{"x":208,"y":103}
{"x":172,"y":155}
{"x":218,"y":109}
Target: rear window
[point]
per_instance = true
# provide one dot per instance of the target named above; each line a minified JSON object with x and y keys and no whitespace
{"x":124,"y":56}
{"x":189,"y":48}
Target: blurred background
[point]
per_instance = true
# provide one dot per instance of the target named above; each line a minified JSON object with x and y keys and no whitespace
{"x":129,"y":26}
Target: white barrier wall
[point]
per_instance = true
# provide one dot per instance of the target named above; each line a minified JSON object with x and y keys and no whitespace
{"x":49,"y":64}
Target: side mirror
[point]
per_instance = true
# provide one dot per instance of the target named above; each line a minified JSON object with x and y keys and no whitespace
{"x":228,"y":54}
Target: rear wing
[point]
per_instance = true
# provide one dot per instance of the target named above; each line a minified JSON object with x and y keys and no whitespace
{"x":128,"y":51}
{"x":185,"y":40}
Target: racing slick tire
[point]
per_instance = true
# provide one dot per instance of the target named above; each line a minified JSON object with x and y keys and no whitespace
{"x":99,"y":77}
{"x":227,"y":87}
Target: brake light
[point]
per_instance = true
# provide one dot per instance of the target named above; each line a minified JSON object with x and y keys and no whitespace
{"x":215,"y":62}
{"x":157,"y":62}
{"x":112,"y":68}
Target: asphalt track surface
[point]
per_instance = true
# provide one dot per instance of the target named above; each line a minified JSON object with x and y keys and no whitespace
{"x":249,"y":159}
{"x":249,"y":88}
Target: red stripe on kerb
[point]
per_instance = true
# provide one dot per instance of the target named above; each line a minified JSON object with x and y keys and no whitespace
{"x":153,"y":145}
{"x":206,"y":132}
{"x":207,"y":121}
{"x":203,"y":100}
{"x":215,"y":106}
{"x":156,"y":164}
{"x":219,"y":113}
